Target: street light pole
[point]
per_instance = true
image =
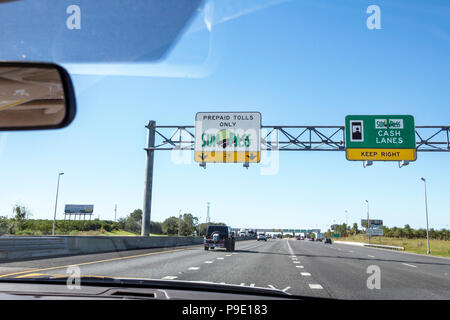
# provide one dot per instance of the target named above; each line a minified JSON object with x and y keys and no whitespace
{"x":368,"y":221}
{"x":179,"y":223}
{"x":56,"y":203}
{"x":426,"y":213}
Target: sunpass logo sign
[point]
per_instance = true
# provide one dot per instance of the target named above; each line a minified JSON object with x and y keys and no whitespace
{"x":225,"y":138}
{"x":388,"y":123}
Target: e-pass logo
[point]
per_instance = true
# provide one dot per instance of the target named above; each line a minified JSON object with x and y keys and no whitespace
{"x":388,"y":123}
{"x":357,"y":131}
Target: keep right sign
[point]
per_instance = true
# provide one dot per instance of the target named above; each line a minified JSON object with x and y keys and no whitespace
{"x":380,"y":137}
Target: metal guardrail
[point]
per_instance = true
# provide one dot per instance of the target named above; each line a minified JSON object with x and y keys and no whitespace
{"x":382,"y":246}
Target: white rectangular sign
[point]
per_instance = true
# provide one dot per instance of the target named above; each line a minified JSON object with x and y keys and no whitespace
{"x":227,"y":136}
{"x":375,"y":232}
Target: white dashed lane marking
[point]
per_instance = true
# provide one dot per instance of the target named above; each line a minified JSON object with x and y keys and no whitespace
{"x":409,"y":265}
{"x":370,"y":256}
{"x":193,"y":268}
{"x":305,"y":274}
{"x":315,"y":286}
{"x":208,"y":261}
{"x":220,"y":258}
{"x":169,"y":278}
{"x":301,"y":267}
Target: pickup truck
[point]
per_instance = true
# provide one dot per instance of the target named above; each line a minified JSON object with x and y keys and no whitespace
{"x":219,"y":237}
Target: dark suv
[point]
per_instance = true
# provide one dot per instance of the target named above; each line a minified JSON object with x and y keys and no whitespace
{"x":219,"y":237}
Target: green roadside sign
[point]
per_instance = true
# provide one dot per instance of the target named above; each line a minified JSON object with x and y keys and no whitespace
{"x":380,"y":137}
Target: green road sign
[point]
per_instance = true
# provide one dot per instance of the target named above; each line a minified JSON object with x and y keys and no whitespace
{"x":380,"y":137}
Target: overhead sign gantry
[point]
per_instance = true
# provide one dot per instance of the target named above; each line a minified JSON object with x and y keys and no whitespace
{"x":406,"y":140}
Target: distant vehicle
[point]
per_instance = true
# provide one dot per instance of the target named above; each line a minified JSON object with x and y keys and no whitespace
{"x":261,"y":237}
{"x":243,"y":233}
{"x":328,"y":240}
{"x":219,"y":237}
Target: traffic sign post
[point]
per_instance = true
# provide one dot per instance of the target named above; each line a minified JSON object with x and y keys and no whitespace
{"x":380,"y":138}
{"x":228,"y":137}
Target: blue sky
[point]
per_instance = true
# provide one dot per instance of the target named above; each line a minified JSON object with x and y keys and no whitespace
{"x":298,"y":63}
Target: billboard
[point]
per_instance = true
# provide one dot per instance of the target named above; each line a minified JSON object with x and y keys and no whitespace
{"x":374,"y":223}
{"x":79,"y":209}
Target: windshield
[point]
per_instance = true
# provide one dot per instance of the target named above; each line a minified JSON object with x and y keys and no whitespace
{"x":321,"y":125}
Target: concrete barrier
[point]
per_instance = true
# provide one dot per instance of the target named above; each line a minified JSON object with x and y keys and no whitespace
{"x":21,"y":248}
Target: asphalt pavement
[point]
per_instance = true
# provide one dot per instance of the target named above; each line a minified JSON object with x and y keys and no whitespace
{"x":297,"y":267}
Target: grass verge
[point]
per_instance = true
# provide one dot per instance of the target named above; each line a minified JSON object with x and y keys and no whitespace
{"x":438,"y":247}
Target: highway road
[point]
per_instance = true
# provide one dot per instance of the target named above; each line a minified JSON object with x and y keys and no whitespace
{"x":294,"y":266}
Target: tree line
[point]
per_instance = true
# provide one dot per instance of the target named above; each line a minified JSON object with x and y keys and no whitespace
{"x":21,"y":224}
{"x":393,"y":232}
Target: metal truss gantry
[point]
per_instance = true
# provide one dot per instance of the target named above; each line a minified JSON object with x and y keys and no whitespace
{"x":298,"y":138}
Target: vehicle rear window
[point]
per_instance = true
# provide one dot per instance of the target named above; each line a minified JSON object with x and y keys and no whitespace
{"x":220,"y":229}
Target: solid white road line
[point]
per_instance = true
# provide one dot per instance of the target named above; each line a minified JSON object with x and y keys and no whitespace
{"x":409,"y":265}
{"x":315,"y":286}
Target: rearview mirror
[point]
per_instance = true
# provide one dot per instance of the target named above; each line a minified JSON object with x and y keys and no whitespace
{"x":35,"y":96}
